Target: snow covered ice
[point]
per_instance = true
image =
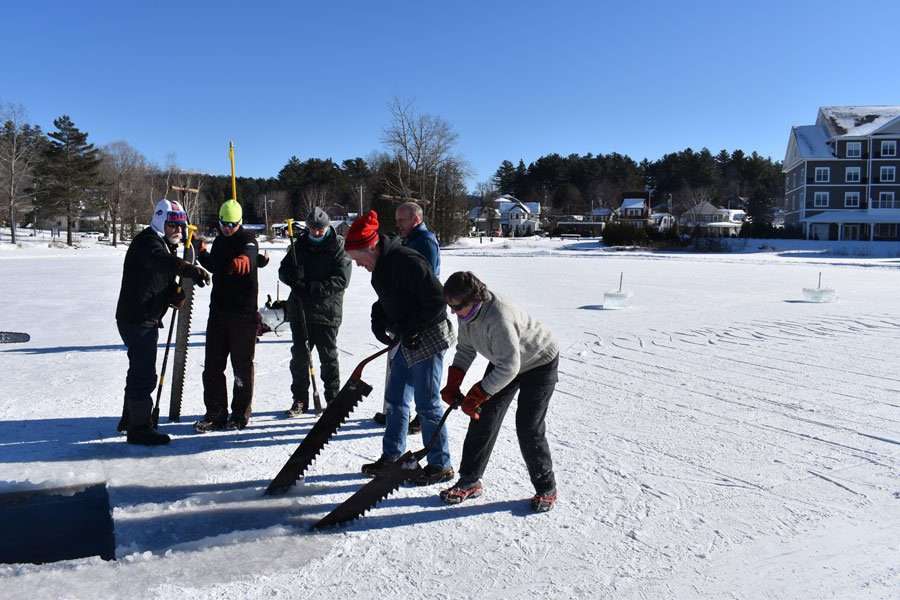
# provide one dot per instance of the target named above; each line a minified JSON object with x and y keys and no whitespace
{"x":720,"y":438}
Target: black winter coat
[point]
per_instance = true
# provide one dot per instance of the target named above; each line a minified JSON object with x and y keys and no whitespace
{"x":317,"y":279}
{"x":410,"y":297}
{"x":232,"y":294}
{"x":148,"y":279}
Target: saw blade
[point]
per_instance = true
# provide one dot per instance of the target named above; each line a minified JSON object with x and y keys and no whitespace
{"x":336,"y":412}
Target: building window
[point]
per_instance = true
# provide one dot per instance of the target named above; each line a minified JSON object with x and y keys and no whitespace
{"x":820,"y":200}
{"x":851,"y":199}
{"x":854,"y":149}
{"x":851,"y":175}
{"x":888,"y":148}
{"x":787,"y":182}
{"x":823,"y":174}
{"x":885,"y":200}
{"x":887,"y":174}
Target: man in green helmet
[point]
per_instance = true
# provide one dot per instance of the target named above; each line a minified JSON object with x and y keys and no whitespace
{"x":231,"y":330}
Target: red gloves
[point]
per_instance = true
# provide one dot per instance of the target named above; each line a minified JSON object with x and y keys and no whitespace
{"x":475,"y":398}
{"x":455,"y":377}
{"x":240,"y":265}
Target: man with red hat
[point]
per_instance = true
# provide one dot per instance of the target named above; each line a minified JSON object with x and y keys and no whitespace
{"x":410,"y":308}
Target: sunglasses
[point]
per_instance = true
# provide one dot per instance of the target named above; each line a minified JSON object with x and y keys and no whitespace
{"x":458,"y":307}
{"x":229,"y":224}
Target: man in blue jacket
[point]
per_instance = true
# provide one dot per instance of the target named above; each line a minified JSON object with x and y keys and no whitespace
{"x":415,"y":235}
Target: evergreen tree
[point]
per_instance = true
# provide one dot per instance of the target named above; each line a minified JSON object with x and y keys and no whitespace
{"x":68,"y":172}
{"x":505,"y":178}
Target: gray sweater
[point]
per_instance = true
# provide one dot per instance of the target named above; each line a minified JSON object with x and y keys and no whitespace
{"x":508,"y":337}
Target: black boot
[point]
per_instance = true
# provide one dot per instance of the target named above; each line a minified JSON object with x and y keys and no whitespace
{"x":147,"y":436}
{"x":297,"y":409}
{"x":380,"y":418}
{"x":210,"y":424}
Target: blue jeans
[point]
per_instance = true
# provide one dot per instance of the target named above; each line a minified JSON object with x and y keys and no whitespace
{"x":423,"y":382}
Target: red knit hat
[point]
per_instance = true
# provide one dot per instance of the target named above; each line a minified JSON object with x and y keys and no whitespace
{"x":363,"y":233}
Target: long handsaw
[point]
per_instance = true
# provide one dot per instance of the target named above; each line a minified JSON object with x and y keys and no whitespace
{"x":334,"y":415}
{"x":182,"y":332}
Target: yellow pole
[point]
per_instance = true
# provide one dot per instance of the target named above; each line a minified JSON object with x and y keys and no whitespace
{"x":290,"y":224}
{"x":233,"y":180}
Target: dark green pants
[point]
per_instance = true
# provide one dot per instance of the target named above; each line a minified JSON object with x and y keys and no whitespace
{"x":324,"y":339}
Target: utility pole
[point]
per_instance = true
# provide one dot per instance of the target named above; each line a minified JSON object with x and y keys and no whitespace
{"x":266,"y":211}
{"x":360,"y":200}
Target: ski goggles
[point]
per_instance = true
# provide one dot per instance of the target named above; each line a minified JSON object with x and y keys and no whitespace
{"x":229,"y":224}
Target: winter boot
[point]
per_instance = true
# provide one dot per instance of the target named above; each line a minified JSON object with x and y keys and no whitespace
{"x":147,"y":436}
{"x":374,"y":468}
{"x":122,"y":427}
{"x":543,"y":502}
{"x":297,"y":409}
{"x":430,"y":475}
{"x":461,"y":491}
{"x":415,"y":426}
{"x":236,"y":422}
{"x":210,"y":424}
{"x":380,"y":418}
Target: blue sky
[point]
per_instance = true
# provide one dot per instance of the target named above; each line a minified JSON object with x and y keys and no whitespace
{"x":515,"y":79}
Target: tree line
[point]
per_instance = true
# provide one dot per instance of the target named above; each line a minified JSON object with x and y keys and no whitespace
{"x":575,"y":184}
{"x":60,"y":173}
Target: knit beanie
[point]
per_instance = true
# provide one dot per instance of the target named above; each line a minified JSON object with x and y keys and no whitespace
{"x":363,"y":233}
{"x":317,"y":218}
{"x":167,"y":211}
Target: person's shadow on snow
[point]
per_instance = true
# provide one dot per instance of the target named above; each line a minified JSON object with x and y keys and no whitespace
{"x":95,"y":438}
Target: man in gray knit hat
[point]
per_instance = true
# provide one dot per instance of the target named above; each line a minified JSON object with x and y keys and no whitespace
{"x":318,"y":271}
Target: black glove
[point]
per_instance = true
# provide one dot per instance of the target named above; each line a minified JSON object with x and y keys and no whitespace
{"x":381,"y":333}
{"x":176,"y":296}
{"x":411,"y":341}
{"x":261,"y":260}
{"x":199,"y":275}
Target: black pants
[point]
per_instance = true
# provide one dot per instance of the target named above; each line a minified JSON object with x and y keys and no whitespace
{"x":141,"y":378}
{"x":535,"y":388}
{"x":323,"y":338}
{"x":233,"y":335}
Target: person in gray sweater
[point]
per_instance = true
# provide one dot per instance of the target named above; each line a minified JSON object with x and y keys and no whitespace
{"x":523,"y":357}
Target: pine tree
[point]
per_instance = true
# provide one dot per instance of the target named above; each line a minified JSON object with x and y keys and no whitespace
{"x":68,"y":172}
{"x":505,"y":178}
{"x":21,"y":145}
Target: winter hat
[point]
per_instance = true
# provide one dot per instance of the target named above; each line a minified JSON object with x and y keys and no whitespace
{"x":231,"y":211}
{"x":317,"y":218}
{"x":167,"y":211}
{"x":363,"y":233}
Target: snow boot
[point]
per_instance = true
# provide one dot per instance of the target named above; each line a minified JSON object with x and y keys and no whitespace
{"x":380,"y":418}
{"x":209,"y":424}
{"x":297,"y":409}
{"x":147,"y":436}
{"x":462,"y":491}
{"x":430,"y":475}
{"x":415,"y":426}
{"x":374,"y":468}
{"x":541,"y":503}
{"x":236,"y":423}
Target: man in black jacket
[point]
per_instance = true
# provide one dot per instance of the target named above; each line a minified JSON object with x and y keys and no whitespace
{"x":410,"y":308}
{"x":231,"y":329}
{"x":148,"y":289}
{"x":318,"y":271}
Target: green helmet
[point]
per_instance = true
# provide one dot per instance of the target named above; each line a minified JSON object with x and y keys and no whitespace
{"x":231,"y":211}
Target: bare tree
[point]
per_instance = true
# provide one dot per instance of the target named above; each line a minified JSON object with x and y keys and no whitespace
{"x":20,"y":150}
{"x":123,"y":170}
{"x":420,"y":145}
